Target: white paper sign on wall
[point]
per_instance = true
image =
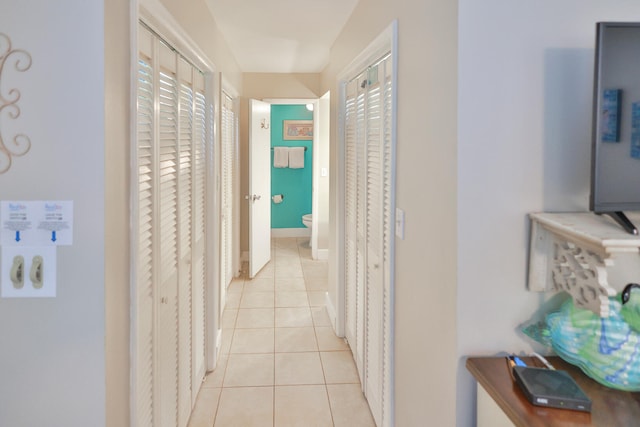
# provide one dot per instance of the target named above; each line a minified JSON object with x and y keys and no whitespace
{"x":36,"y":223}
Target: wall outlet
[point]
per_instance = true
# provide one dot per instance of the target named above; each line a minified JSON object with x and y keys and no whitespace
{"x":28,"y":272}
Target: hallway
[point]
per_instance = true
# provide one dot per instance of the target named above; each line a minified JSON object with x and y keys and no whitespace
{"x":281,"y":363}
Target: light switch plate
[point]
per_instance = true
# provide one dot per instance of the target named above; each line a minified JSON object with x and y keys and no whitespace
{"x":29,"y":289}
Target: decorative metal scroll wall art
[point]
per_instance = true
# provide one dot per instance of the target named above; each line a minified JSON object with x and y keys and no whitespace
{"x":20,"y":144}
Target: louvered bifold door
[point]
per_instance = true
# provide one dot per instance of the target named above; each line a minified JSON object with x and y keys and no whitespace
{"x":369,"y":159}
{"x":378,"y":238}
{"x":354,"y":257}
{"x":350,"y":214}
{"x":388,"y":193}
{"x":203,"y":121}
{"x":227,"y":178}
{"x":374,"y":236}
{"x":143,"y":351}
{"x":185,"y":201}
{"x":167,"y":324}
{"x":361,"y":226}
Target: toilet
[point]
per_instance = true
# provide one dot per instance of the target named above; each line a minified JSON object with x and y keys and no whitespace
{"x":307,"y":220}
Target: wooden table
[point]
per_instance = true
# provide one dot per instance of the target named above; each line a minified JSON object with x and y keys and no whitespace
{"x":610,"y":408}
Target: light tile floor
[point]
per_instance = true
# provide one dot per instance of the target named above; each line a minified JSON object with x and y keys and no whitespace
{"x":281,"y":363}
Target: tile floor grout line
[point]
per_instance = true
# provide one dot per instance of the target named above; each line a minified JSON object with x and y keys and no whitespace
{"x":315,"y":325}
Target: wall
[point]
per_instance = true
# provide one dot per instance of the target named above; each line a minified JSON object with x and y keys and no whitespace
{"x":425,"y":275}
{"x":275,"y":85}
{"x":69,"y":356}
{"x":52,"y":357}
{"x":524,"y":145}
{"x":294,"y":184}
{"x":196,"y":19}
{"x":117,"y":214}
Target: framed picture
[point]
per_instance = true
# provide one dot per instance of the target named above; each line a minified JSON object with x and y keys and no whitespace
{"x":297,"y":130}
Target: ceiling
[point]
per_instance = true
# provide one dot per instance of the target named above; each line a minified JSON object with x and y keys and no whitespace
{"x":281,"y":36}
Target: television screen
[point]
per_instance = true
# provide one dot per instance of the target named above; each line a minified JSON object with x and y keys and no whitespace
{"x":615,"y":157}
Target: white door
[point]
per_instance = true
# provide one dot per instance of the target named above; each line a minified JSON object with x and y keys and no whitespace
{"x":167,"y":244}
{"x":369,"y":205}
{"x":259,"y":186}
{"x":168,"y":345}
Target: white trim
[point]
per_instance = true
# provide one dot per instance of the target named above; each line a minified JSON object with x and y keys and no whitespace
{"x":331,"y":312}
{"x":213,"y":316}
{"x":219,"y":340}
{"x":289,"y":101}
{"x":387,"y":40}
{"x":228,"y":87}
{"x":323,"y":254}
{"x":237,"y":256}
{"x":156,"y":16}
{"x":291,"y":232}
{"x":133,"y":203}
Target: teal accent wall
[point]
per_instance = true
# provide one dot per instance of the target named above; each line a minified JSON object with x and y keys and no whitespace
{"x":294,"y":184}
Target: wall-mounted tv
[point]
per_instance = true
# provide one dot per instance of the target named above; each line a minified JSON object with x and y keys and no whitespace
{"x":615,"y":154}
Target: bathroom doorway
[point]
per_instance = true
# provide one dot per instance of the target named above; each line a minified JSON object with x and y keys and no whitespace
{"x":318,"y":165}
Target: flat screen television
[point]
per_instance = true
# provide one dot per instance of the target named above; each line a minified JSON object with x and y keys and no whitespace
{"x":615,"y":155}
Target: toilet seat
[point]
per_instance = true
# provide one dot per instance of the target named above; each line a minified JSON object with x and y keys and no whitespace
{"x":307,"y":220}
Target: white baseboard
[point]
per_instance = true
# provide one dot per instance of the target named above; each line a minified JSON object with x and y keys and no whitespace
{"x":323,"y":254}
{"x":291,"y":232}
{"x":331,"y":311}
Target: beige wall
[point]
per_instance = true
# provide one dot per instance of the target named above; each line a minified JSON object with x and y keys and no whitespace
{"x":425,"y":275}
{"x":52,"y":351}
{"x":117,"y":215}
{"x":195,"y":17}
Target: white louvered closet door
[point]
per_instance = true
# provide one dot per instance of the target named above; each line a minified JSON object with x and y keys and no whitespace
{"x":185,"y":209}
{"x":203,"y":122}
{"x":368,"y":231}
{"x":228,"y":132}
{"x":355,"y":220}
{"x":388,"y":228}
{"x":169,"y":323}
{"x":145,"y":293}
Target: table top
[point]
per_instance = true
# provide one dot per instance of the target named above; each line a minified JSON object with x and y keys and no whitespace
{"x":609,"y":407}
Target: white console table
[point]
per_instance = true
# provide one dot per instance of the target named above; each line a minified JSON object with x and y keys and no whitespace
{"x":587,"y":255}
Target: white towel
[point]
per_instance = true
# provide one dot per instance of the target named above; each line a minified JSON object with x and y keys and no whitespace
{"x":280,"y":157}
{"x":296,"y":157}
